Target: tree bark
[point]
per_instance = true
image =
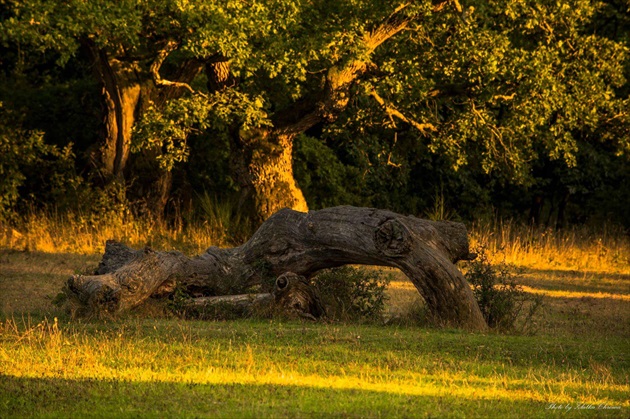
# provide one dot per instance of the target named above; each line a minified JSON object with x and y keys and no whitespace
{"x":262,"y":164}
{"x":300,"y":244}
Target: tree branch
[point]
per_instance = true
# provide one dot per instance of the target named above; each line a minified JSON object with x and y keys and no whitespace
{"x":393,"y":112}
{"x":157,"y":64}
{"x":393,"y":24}
{"x":340,"y":78}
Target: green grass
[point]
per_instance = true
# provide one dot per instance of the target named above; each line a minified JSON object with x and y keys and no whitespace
{"x":576,"y":365}
{"x":270,"y":368}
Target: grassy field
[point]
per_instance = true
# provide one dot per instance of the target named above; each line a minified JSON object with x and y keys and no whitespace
{"x":576,"y":364}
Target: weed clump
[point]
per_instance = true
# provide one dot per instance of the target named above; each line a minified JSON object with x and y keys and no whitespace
{"x":352,"y":294}
{"x":503,"y":303}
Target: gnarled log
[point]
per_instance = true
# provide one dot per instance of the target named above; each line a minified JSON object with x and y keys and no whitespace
{"x":300,"y":243}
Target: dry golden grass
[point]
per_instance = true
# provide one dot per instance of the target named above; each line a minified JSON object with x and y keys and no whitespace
{"x":71,"y":233}
{"x":582,"y":273}
{"x":578,"y":249}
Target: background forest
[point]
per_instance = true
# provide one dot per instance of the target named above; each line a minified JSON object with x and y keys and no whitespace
{"x":175,"y":109}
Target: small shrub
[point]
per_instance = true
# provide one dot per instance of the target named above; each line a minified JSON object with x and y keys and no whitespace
{"x":503,"y":303}
{"x":178,"y":304}
{"x":352,"y":294}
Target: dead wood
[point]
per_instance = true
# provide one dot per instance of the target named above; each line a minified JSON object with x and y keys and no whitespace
{"x":298,"y":245}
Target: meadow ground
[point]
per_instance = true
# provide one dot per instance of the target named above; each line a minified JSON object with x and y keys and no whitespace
{"x":573,"y":363}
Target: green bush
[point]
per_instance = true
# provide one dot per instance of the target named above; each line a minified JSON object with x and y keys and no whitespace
{"x":352,"y":293}
{"x":503,"y":303}
{"x":19,"y":149}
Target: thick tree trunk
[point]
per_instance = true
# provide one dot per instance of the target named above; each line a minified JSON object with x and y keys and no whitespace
{"x":261,"y":159}
{"x":121,"y":95}
{"x":296,"y":243}
{"x":126,"y":90}
{"x":262,"y":164}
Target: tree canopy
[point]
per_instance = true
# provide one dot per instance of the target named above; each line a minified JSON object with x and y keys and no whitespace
{"x":516,"y":106}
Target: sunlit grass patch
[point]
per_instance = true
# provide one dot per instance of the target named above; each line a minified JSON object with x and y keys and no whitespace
{"x":374,"y":362}
{"x":577,"y":281}
{"x":574,"y":294}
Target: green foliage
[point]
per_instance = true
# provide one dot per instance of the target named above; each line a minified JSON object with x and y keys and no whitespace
{"x":521,"y":81}
{"x":323,"y":178}
{"x":22,"y":154}
{"x":168,"y":129}
{"x":16,"y":149}
{"x":503,"y":303}
{"x":526,"y":98}
{"x":178,"y":304}
{"x":350,"y":293}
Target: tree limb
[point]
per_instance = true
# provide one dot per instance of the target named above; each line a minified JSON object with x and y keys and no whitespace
{"x":391,"y":111}
{"x":154,"y":69}
{"x":339,"y":78}
{"x":394,"y":23}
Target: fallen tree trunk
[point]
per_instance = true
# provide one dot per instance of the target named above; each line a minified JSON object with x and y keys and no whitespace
{"x":300,"y":244}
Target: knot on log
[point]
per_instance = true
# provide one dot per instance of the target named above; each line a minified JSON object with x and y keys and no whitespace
{"x":392,"y":238}
{"x":295,"y":294}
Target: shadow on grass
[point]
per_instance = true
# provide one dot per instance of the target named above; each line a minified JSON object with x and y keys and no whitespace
{"x":21,"y":397}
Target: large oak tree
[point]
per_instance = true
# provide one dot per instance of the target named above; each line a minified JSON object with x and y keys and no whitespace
{"x":494,"y":87}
